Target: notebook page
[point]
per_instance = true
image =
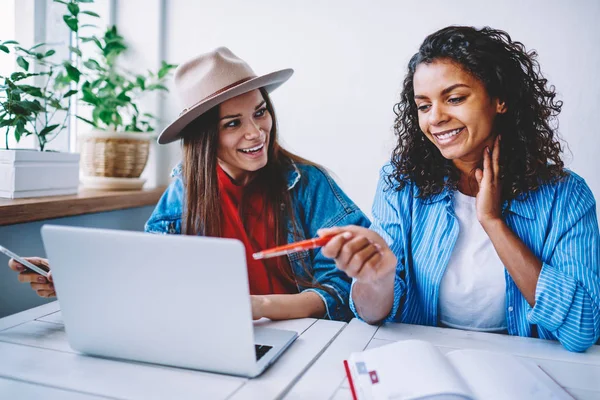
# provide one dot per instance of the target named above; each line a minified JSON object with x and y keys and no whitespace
{"x":409,"y":369}
{"x":499,"y":376}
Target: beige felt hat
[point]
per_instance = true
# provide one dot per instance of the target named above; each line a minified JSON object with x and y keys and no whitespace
{"x":211,"y":78}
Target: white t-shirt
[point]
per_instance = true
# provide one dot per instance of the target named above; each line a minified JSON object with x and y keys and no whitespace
{"x":473,"y":288}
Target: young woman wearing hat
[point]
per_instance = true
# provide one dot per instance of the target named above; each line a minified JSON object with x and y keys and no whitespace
{"x":477,"y":224}
{"x":236,"y":181}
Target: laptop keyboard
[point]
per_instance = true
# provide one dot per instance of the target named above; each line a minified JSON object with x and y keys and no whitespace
{"x":261,"y":350}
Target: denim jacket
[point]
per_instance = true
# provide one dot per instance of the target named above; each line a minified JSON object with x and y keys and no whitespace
{"x":318,"y":203}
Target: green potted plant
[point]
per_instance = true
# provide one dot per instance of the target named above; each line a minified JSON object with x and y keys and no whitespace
{"x":115,"y":151}
{"x":34,"y":101}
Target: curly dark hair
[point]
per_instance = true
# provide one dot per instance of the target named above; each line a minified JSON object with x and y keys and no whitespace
{"x":530,"y":147}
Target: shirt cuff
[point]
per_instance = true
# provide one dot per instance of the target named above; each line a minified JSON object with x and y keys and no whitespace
{"x":554,"y":295}
{"x":334,"y":308}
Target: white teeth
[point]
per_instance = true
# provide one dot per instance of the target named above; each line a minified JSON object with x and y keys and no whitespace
{"x":253,"y":149}
{"x":449,"y":134}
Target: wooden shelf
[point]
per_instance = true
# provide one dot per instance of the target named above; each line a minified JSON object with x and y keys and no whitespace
{"x":87,"y":201}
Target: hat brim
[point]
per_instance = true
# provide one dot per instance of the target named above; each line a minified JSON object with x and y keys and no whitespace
{"x":269,"y":81}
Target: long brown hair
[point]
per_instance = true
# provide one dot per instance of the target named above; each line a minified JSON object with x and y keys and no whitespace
{"x":202,"y":209}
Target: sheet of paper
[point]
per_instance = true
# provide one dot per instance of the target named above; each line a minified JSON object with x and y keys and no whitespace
{"x":499,"y":376}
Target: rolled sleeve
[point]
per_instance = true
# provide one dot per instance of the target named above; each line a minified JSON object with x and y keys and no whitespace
{"x":554,"y":295}
{"x":567,"y":296}
{"x":335,"y":306}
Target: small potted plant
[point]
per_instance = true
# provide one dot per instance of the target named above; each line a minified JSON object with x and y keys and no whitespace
{"x":34,"y":101}
{"x":114,"y":153}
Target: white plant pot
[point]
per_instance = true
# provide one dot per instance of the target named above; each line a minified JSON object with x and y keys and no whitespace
{"x":31,"y":173}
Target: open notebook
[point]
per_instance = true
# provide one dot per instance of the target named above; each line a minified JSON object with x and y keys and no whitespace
{"x":414,"y":369}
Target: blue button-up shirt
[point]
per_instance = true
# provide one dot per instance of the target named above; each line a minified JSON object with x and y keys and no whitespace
{"x":318,"y":203}
{"x":557,"y":223}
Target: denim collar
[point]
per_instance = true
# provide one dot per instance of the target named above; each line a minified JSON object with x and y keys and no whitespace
{"x":293,"y":175}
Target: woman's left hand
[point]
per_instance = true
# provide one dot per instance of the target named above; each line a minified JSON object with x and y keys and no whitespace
{"x":489,"y":197}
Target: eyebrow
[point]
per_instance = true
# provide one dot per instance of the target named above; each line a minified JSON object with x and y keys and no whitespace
{"x":445,"y":91}
{"x":239,"y":115}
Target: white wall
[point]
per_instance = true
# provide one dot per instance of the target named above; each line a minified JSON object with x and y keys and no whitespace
{"x":350,"y":58}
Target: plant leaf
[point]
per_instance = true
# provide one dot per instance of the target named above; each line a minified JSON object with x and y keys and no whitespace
{"x":69,"y":93}
{"x":93,"y":14}
{"x":73,"y":8}
{"x":71,"y":22}
{"x":49,"y":53}
{"x":73,"y":72}
{"x":75,"y":50}
{"x":36,"y":46}
{"x":48,"y":129}
{"x":87,"y":120}
{"x":11,"y":42}
{"x":31,"y":106}
{"x":92,"y":64}
{"x":22,"y":63}
{"x":4,"y":49}
{"x":157,"y":86}
{"x":31,"y":90}
{"x":165,"y":68}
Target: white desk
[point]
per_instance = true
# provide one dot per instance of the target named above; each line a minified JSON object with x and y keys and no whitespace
{"x":37,"y":362}
{"x":578,"y":373}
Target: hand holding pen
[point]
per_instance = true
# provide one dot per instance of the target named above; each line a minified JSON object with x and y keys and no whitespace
{"x":358,"y":251}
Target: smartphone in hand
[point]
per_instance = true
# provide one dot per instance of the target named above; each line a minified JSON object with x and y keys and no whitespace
{"x":23,"y":261}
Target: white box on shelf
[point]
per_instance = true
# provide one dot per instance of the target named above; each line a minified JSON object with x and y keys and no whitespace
{"x":31,"y":173}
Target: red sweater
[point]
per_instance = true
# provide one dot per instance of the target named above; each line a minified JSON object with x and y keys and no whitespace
{"x":271,"y":276}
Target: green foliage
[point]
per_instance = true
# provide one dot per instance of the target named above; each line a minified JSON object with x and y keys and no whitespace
{"x":113,"y":92}
{"x":31,"y":97}
{"x":41,"y":87}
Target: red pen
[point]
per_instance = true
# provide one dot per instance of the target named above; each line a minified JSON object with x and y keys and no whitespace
{"x":293,"y":247}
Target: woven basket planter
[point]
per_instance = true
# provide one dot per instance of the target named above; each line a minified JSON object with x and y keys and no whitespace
{"x":114,"y":154}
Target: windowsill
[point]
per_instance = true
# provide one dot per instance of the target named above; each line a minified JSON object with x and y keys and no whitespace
{"x":87,"y":201}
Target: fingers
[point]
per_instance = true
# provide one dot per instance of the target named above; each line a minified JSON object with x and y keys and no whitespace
{"x":487,"y":165}
{"x":46,"y":293}
{"x":370,"y":268}
{"x":352,"y":254}
{"x":17,"y":266}
{"x":31,"y":277}
{"x":496,"y":158}
{"x":330,"y":231}
{"x":365,"y":259}
{"x":333,"y":248}
{"x":479,"y":176}
{"x":44,"y":289}
{"x":42,"y":286}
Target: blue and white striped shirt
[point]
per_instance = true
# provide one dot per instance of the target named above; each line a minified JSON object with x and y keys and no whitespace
{"x":558,"y":224}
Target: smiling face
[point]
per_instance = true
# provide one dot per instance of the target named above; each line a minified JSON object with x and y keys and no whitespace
{"x":455,"y":111}
{"x":244,"y":131}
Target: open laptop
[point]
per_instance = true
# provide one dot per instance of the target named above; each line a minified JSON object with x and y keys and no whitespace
{"x":168,"y":299}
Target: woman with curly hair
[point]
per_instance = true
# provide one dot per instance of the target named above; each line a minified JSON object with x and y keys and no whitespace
{"x":477,"y":224}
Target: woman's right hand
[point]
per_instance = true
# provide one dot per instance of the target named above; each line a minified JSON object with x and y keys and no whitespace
{"x":360,"y":252}
{"x":43,"y":287}
{"x":363,"y":255}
